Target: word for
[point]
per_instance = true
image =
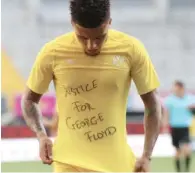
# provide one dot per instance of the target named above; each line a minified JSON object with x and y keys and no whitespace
{"x":87,"y":122}
{"x":81,"y":88}
{"x":109,"y":131}
{"x":82,"y":107}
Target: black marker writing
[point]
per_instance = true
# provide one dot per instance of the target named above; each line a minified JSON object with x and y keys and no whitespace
{"x":82,"y":107}
{"x":81,"y":88}
{"x":87,"y":122}
{"x":93,"y":136}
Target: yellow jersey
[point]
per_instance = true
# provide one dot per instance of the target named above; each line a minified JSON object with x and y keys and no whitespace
{"x":91,"y":95}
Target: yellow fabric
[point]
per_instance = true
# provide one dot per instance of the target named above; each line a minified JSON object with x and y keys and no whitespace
{"x":42,"y":71}
{"x":92,"y":98}
{"x":12,"y":82}
{"x":192,"y":128}
{"x":62,"y":167}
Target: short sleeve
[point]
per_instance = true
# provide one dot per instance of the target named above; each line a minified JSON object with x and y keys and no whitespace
{"x":42,"y":72}
{"x":142,"y":69}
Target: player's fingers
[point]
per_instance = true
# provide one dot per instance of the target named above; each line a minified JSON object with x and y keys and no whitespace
{"x":137,"y":169}
{"x":44,"y":155}
{"x":49,"y":150}
{"x":47,"y":161}
{"x":144,"y":169}
{"x":47,"y":157}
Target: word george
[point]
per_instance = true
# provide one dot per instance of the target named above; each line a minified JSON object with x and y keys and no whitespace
{"x":82,"y":107}
{"x":87,"y":122}
{"x":81,"y":88}
{"x":109,"y":131}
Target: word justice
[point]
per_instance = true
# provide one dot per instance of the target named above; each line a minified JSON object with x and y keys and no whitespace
{"x":80,"y":88}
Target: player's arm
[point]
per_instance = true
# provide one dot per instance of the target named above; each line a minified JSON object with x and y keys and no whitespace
{"x":165,"y":115}
{"x":152,"y":121}
{"x":165,"y":120}
{"x":32,"y":113}
{"x":146,"y":81}
{"x":37,"y":84}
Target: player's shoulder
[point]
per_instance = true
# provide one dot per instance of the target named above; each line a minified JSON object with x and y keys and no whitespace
{"x":59,"y":42}
{"x":123,"y":38}
{"x":55,"y":47}
{"x":64,"y":39}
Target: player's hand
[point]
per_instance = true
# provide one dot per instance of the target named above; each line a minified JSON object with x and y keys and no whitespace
{"x":142,"y":165}
{"x":45,"y":150}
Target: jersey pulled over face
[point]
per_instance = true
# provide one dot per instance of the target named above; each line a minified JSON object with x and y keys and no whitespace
{"x":92,"y":97}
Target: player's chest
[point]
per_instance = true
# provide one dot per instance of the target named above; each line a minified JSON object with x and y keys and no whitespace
{"x":180,"y":104}
{"x":109,"y":70}
{"x":111,"y":61}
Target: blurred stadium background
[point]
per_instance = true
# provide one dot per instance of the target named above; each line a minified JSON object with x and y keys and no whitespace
{"x":167,"y":28}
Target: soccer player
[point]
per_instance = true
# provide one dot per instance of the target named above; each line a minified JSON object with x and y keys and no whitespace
{"x":179,"y":117}
{"x":92,"y":69}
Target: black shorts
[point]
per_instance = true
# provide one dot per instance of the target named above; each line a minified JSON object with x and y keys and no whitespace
{"x":179,"y":136}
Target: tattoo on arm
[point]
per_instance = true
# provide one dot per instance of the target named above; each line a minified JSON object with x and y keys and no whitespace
{"x":152,"y":121}
{"x":32,"y":113}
